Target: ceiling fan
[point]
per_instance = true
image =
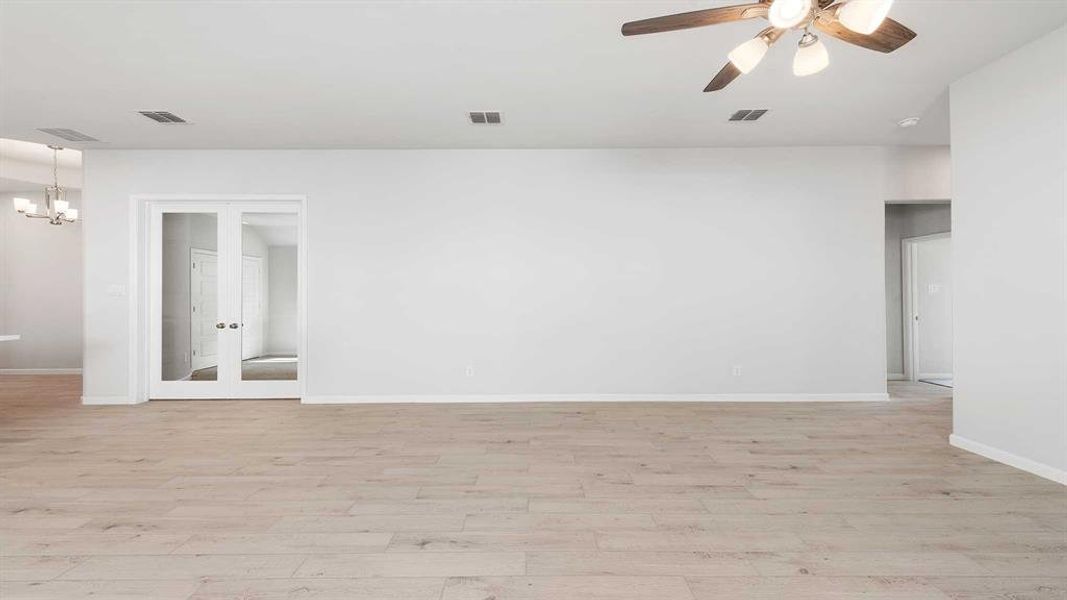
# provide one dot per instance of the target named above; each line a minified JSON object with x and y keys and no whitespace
{"x":860,"y":22}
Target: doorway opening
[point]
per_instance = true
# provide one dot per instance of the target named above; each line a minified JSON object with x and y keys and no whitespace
{"x":224,"y":295}
{"x":919,"y":293}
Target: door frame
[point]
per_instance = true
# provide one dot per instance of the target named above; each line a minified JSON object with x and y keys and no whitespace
{"x":139,"y":293}
{"x":910,"y":291}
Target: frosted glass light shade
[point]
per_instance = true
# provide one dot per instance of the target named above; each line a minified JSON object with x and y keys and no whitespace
{"x":749,"y":54}
{"x":788,"y":13}
{"x":62,"y":206}
{"x":21,"y":204}
{"x":864,"y":16}
{"x":71,"y":214}
{"x":31,"y":208}
{"x":810,"y":59}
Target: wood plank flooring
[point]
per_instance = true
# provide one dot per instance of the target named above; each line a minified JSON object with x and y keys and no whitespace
{"x":274,"y":500}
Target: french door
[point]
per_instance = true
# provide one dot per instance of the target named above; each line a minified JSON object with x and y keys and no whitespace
{"x":224,"y":301}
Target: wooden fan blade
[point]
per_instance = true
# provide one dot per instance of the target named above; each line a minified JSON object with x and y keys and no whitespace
{"x":729,"y":72}
{"x":887,"y":38}
{"x":724,"y":78}
{"x":697,"y":18}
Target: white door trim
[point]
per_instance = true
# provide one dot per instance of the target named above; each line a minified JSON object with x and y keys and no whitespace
{"x":911,"y":301}
{"x":138,"y":295}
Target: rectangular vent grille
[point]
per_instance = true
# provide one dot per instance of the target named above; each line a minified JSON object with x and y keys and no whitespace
{"x":69,"y":134}
{"x":485,"y":118}
{"x":162,"y":116}
{"x":748,"y":115}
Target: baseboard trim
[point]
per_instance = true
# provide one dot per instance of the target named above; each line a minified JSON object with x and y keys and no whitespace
{"x":1012,"y":460}
{"x":525,"y":398}
{"x":935,"y":376}
{"x":896,"y":377}
{"x":63,"y":371}
{"x":110,"y":401}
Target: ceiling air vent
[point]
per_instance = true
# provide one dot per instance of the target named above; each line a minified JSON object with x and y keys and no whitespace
{"x":162,"y":116}
{"x":485,"y":118}
{"x":748,"y":114}
{"x":69,"y":134}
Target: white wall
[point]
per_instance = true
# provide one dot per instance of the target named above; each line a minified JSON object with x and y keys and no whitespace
{"x":40,"y":288}
{"x":282,"y":336}
{"x":1009,"y":154}
{"x":904,"y":221}
{"x":923,"y":174}
{"x":549,"y":272}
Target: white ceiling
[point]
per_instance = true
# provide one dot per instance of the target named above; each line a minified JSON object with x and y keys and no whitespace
{"x":402,"y":74}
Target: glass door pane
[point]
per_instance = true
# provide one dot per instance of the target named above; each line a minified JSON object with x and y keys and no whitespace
{"x":190,"y":297}
{"x":268,"y":299}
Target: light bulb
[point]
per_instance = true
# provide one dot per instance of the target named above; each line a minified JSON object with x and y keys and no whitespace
{"x":62,"y":206}
{"x":864,"y":16}
{"x":71,"y":214}
{"x":21,"y":204}
{"x":785,"y":14}
{"x":811,"y":57}
{"x":746,"y":56}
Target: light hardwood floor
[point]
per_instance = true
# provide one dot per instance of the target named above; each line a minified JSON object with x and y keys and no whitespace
{"x":272,"y":500}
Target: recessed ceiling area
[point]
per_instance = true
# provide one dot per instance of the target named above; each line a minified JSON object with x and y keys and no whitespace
{"x":28,"y":166}
{"x":403,"y":74}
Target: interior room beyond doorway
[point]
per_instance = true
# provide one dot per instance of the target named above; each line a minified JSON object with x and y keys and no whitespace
{"x":919,"y":292}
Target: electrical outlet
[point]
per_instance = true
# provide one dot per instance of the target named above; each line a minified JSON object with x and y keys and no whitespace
{"x":469,"y":371}
{"x":737,"y":370}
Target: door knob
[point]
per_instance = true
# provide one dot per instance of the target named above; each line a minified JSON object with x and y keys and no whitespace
{"x":234,"y":325}
{"x":220,"y":326}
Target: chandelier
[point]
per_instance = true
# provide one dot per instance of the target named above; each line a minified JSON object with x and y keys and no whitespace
{"x":56,"y":209}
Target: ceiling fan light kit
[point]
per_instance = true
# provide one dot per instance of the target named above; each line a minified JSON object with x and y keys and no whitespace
{"x":786,"y":14}
{"x":811,"y":57}
{"x":864,"y":16}
{"x":864,"y":23}
{"x":749,"y":54}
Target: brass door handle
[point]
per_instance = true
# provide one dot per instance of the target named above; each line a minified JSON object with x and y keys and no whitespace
{"x":220,"y":326}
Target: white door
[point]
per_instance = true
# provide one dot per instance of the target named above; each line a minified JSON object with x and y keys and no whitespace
{"x":209,"y":298}
{"x":204,"y":295}
{"x":252,"y":299}
{"x":928,"y":289}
